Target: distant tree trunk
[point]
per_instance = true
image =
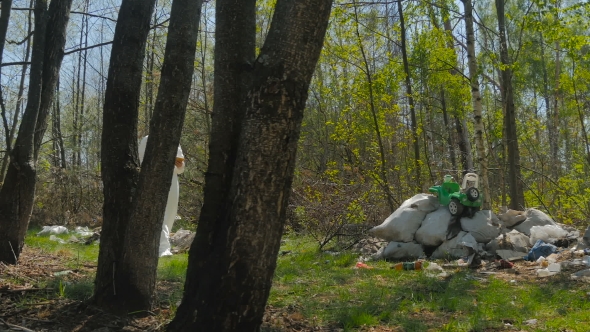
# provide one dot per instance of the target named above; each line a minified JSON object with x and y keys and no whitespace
{"x":516,"y":191}
{"x":409,"y":95}
{"x":553,"y":117}
{"x":367,"y":69}
{"x":59,"y":15}
{"x":477,"y":106}
{"x":233,"y":256}
{"x":56,"y":135}
{"x":449,"y":129}
{"x":18,"y":192}
{"x":149,"y":77}
{"x":119,"y":155}
{"x":4,"y":19}
{"x":137,"y":270}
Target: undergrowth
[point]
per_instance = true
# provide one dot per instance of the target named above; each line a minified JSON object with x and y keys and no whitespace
{"x":325,"y":290}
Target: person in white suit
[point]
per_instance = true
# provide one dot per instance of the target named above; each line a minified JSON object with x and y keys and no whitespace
{"x":172,"y":204}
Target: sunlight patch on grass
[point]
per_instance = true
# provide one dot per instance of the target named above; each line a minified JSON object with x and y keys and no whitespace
{"x":173,"y":268}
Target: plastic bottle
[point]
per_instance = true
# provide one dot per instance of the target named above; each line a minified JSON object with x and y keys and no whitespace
{"x":417,"y":265}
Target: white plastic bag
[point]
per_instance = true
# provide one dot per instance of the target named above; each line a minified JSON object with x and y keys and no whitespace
{"x":48,"y":230}
{"x":547,"y":233}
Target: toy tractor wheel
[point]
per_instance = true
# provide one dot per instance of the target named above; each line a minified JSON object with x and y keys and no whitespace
{"x":472,"y":194}
{"x":455,"y":208}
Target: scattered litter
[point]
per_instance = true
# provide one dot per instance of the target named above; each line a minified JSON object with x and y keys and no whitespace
{"x":55,"y":238}
{"x":583,"y":275}
{"x":83,"y":231}
{"x":62,"y":273}
{"x":361,"y":265}
{"x":547,"y":233}
{"x":504,"y":264}
{"x":417,"y":265}
{"x":48,"y":230}
{"x":531,"y":322}
{"x":540,"y":249}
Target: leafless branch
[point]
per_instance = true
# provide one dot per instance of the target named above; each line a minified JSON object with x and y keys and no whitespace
{"x":87,"y":48}
{"x":22,"y":41}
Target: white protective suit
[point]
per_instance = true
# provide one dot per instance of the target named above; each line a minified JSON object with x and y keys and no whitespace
{"x":171,"y":205}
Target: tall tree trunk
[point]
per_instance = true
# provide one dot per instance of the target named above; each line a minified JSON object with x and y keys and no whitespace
{"x":149,"y":77}
{"x":119,"y":155}
{"x":477,"y":106}
{"x":59,"y":15}
{"x":516,"y":191}
{"x":11,"y":132}
{"x":137,"y":270}
{"x":383,"y":169}
{"x":235,"y":42}
{"x":17,"y":193}
{"x":233,"y":256}
{"x":4,"y":19}
{"x":56,"y":135}
{"x":554,"y":117}
{"x":414,"y":122}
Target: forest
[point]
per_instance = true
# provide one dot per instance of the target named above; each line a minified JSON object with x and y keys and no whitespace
{"x":402,"y":93}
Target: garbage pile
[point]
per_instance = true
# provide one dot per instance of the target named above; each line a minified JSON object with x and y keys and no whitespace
{"x":78,"y":235}
{"x":422,"y":228}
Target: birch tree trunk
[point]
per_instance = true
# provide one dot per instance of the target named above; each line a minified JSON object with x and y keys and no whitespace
{"x":477,"y":106}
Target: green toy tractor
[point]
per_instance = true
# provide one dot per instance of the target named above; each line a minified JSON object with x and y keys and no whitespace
{"x":459,"y":199}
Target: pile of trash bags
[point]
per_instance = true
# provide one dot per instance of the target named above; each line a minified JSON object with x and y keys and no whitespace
{"x":421,"y":227}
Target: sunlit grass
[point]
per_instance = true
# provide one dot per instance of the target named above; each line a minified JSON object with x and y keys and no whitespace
{"x":327,"y":289}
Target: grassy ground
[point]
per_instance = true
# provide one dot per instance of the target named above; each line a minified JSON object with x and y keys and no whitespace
{"x":313,"y":291}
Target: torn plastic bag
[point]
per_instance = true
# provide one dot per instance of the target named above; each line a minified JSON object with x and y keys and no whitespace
{"x":540,"y":249}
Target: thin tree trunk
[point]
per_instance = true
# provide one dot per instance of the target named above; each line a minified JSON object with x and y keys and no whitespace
{"x":4,"y":19}
{"x":233,"y":256}
{"x":409,"y":95}
{"x":57,"y":137}
{"x":149,"y":82}
{"x":516,"y":191}
{"x":140,"y":261}
{"x":477,"y":106}
{"x":554,"y":117}
{"x":12,"y":131}
{"x":581,"y":116}
{"x":59,"y":15}
{"x":119,"y":155}
{"x":367,"y":69}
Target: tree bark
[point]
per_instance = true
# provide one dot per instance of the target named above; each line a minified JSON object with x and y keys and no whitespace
{"x":233,"y":257}
{"x":4,"y":19}
{"x":139,"y":264}
{"x":18,"y":192}
{"x":516,"y":191}
{"x":414,"y":122}
{"x":119,"y":155}
{"x":59,"y":15}
{"x":477,"y":106}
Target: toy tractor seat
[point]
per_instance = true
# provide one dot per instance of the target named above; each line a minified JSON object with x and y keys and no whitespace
{"x":470,"y":186}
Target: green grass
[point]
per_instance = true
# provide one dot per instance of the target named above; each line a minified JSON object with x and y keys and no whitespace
{"x":326,"y":290}
{"x":329,"y":290}
{"x":173,"y":268}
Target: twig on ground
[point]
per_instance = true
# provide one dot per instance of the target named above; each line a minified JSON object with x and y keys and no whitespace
{"x":15,"y":327}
